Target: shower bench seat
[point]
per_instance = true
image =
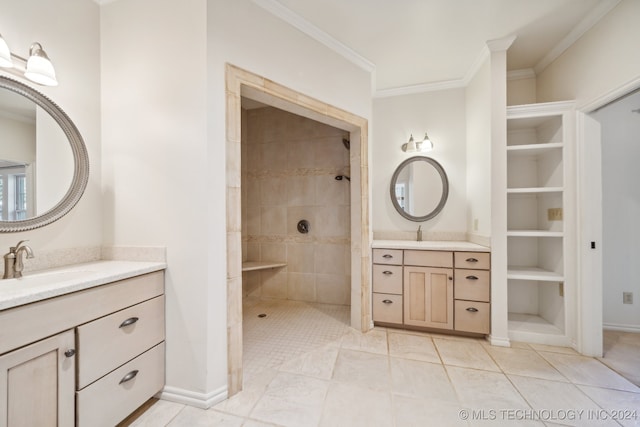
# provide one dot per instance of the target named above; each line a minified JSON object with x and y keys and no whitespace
{"x":261,"y":265}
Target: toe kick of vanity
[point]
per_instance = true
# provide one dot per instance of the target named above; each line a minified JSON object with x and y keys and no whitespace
{"x":432,"y":289}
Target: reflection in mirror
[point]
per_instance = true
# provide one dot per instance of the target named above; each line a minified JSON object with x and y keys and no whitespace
{"x":43,"y":161}
{"x":419,"y":188}
{"x":36,"y":162}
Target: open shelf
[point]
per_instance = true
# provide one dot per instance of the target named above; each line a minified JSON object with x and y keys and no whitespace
{"x":534,"y":190}
{"x":533,"y":273}
{"x":534,"y":233}
{"x":533,"y":149}
{"x":261,"y":265}
{"x":538,"y":193}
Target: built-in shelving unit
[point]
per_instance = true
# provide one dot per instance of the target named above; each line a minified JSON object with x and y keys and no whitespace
{"x":539,"y":207}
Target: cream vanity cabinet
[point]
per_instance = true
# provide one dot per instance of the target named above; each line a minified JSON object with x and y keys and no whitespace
{"x":88,"y":358}
{"x":434,"y":289}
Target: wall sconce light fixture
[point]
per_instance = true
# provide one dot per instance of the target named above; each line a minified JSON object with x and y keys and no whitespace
{"x":419,"y":146}
{"x":37,"y":68}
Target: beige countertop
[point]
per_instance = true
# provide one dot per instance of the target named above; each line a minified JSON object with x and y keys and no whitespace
{"x":437,"y":245}
{"x":55,"y":282}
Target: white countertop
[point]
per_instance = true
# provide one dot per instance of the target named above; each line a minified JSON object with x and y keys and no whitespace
{"x":51,"y":283}
{"x":437,"y":245}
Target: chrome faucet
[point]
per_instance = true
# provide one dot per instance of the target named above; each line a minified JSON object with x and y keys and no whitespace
{"x":13,"y":265}
{"x":419,"y":234}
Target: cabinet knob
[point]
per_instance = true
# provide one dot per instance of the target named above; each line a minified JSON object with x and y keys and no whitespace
{"x":387,"y":256}
{"x":387,"y":272}
{"x":450,"y":277}
{"x":472,"y":277}
{"x":472,"y":309}
{"x":70,"y":353}
{"x":387,"y":301}
{"x":472,"y":260}
{"x":131,"y":375}
{"x":129,"y":321}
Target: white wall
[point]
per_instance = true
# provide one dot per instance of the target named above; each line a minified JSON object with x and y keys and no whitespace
{"x":605,"y":58}
{"x":164,"y":117}
{"x":442,"y":115}
{"x":478,"y":152}
{"x":621,"y":210}
{"x":69,"y":32}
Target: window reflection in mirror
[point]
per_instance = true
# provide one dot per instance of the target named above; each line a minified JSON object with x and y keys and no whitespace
{"x":15,"y":195}
{"x":30,"y":137}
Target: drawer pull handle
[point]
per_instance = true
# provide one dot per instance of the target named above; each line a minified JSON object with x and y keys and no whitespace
{"x":128,"y":322}
{"x":387,"y":256}
{"x":70,"y":353}
{"x":131,"y":375}
{"x":472,"y":277}
{"x":472,"y":309}
{"x":472,"y":260}
{"x":387,"y":301}
{"x":387,"y":272}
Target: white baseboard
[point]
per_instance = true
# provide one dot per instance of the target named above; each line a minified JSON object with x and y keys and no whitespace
{"x":192,"y":398}
{"x":621,"y":328}
{"x":499,"y":342}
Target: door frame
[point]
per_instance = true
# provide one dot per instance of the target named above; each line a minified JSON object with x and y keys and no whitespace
{"x":243,"y":83}
{"x":589,"y":224}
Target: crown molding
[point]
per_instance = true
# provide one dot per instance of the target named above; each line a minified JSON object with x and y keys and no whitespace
{"x":498,"y":45}
{"x":419,"y":88}
{"x":578,"y":31}
{"x":475,"y":65}
{"x":295,"y":20}
{"x":525,"y":73}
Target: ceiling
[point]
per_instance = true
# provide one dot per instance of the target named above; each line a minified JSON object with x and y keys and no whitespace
{"x":417,"y":43}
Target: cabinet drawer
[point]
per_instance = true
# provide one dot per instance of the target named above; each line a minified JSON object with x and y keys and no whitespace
{"x":387,"y":279}
{"x":478,"y":260}
{"x":472,"y":316}
{"x":387,"y":308}
{"x":429,"y":258}
{"x":387,"y":256}
{"x":473,"y":285}
{"x":111,"y":399}
{"x":110,"y":341}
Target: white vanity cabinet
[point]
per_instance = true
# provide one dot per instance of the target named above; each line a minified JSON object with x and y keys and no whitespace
{"x":88,"y":358}
{"x":37,"y":383}
{"x":435,"y":289}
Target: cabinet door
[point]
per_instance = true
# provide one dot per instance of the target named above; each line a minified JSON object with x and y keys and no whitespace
{"x":37,"y":384}
{"x":428,"y":297}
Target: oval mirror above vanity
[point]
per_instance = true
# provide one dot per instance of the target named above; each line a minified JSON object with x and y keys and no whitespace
{"x":44,"y":165}
{"x":419,"y":188}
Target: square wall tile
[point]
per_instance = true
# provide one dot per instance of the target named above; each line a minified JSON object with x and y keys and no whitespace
{"x":333,"y":289}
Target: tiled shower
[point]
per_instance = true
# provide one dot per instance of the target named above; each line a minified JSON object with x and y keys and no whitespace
{"x":289,"y":169}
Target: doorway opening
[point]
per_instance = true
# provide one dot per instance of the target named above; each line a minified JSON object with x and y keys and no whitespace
{"x":243,"y":84}
{"x":618,"y":153}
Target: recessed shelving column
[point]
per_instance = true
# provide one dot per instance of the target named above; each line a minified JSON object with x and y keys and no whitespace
{"x":538,"y":206}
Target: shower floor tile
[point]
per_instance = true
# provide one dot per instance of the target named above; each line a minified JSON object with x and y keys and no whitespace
{"x":289,"y":330}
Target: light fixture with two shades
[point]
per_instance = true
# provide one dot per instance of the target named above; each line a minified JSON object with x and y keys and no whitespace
{"x":37,"y":68}
{"x":418,"y":146}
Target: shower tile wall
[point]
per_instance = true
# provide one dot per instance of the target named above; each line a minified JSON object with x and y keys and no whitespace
{"x":289,"y":164}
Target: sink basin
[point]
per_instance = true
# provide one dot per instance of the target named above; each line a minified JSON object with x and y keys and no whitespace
{"x":47,"y":278}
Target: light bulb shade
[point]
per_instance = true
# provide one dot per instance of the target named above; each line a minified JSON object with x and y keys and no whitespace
{"x":410,"y":147}
{"x":426,"y":144}
{"x":39,"y":68}
{"x":5,"y":54}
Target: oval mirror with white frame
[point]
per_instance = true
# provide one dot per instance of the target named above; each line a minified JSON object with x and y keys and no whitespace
{"x":419,"y":188}
{"x":44,"y":165}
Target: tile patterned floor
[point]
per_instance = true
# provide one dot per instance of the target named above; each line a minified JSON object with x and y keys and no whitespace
{"x":395,"y":378}
{"x":622,"y":354}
